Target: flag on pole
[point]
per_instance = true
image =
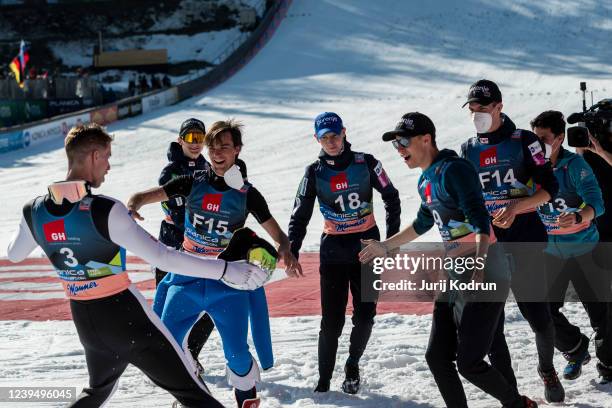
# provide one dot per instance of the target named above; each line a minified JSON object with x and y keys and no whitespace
{"x":19,"y":63}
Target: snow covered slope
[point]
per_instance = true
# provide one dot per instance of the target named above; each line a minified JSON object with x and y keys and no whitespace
{"x":394,"y":371}
{"x":370,"y":62}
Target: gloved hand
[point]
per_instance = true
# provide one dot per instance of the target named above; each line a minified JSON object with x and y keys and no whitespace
{"x":256,"y":252}
{"x":243,"y":275}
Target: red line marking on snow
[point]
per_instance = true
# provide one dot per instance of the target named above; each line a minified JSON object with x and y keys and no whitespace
{"x":288,"y":297}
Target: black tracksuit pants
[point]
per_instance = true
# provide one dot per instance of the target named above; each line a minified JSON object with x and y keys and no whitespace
{"x":336,"y":280}
{"x":592,"y":285}
{"x":478,"y":331}
{"x":525,"y":241}
{"x":122,"y":329}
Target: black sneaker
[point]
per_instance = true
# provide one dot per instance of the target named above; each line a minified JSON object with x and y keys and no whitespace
{"x":553,"y":390}
{"x":605,"y":373}
{"x":522,"y":402}
{"x":352,"y":380}
{"x":322,"y":386}
{"x":528,"y":403}
{"x":576,"y":360}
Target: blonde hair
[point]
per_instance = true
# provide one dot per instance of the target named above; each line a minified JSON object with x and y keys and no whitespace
{"x":82,"y":139}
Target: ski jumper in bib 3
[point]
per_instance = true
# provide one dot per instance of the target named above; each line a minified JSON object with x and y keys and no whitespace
{"x":85,"y":242}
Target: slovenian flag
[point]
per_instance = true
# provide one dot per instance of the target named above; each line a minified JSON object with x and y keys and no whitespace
{"x":18,"y":64}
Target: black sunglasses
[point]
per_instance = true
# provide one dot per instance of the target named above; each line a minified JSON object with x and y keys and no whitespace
{"x":402,"y":141}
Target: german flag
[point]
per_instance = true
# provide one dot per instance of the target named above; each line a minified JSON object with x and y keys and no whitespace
{"x":18,"y":65}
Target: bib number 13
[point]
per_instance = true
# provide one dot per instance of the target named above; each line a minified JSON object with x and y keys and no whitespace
{"x":353,"y":201}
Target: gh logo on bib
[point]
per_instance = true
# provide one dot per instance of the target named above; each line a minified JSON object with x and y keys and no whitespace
{"x":212,"y":202}
{"x":339,"y":182}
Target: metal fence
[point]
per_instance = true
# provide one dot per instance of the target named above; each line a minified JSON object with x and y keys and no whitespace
{"x":52,"y":88}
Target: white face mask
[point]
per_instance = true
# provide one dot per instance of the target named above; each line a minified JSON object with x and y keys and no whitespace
{"x":482,"y":121}
{"x":233,"y":178}
{"x":548,"y":149}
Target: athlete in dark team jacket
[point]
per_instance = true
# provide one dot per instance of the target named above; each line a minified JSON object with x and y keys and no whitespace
{"x":85,"y":237}
{"x":511,"y":163}
{"x":463,"y":330}
{"x":342,"y":181}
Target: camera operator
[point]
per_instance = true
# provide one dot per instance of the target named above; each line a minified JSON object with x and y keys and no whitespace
{"x":592,"y":138}
{"x":599,"y":156}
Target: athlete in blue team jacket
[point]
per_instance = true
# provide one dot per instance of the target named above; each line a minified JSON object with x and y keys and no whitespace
{"x":569,"y":218}
{"x":342,"y":181}
{"x":463,"y":330}
{"x":217,"y":203}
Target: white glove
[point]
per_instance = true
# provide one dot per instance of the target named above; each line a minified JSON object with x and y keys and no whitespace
{"x":243,"y":276}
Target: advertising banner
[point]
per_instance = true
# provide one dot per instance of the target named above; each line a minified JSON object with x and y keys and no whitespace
{"x":104,"y":116}
{"x":54,"y":129}
{"x":159,"y":100}
{"x":57,"y":107}
{"x":11,"y":113}
{"x":129,"y":108}
{"x":11,"y":141}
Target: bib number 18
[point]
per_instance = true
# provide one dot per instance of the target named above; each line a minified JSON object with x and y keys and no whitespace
{"x":353,"y":201}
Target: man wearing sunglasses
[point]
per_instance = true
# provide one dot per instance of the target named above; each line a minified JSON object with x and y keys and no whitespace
{"x":463,"y":330}
{"x":85,"y":236}
{"x":516,"y":177}
{"x":342,"y":181}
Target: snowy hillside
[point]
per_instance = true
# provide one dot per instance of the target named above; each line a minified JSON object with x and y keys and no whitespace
{"x":369,"y":61}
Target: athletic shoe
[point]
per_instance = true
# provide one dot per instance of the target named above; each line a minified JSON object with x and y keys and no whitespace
{"x":528,"y":403}
{"x":352,"y":380}
{"x":553,"y":390}
{"x":576,"y":360}
{"x":605,"y":373}
{"x":322,"y":386}
{"x":522,"y":402}
{"x":246,"y":399}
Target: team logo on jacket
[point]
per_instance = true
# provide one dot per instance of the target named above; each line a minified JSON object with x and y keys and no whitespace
{"x":428,"y":193}
{"x":212,"y":202}
{"x":537,"y":153}
{"x":55,"y":231}
{"x":488,"y":157}
{"x":339,"y":182}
